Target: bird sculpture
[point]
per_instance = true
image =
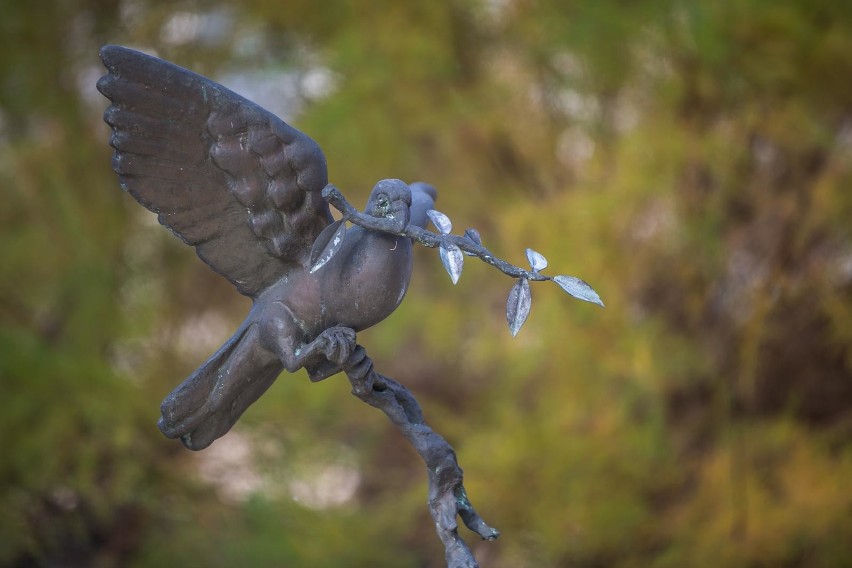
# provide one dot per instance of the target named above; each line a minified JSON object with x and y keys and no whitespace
{"x":251,"y":194}
{"x":245,"y":189}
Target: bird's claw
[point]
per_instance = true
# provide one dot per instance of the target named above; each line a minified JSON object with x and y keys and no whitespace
{"x":337,"y":344}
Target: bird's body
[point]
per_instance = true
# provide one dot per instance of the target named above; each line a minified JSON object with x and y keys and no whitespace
{"x":243,"y":188}
{"x":303,"y":320}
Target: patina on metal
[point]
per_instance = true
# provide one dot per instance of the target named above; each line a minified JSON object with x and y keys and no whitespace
{"x":251,"y":194}
{"x":245,"y":189}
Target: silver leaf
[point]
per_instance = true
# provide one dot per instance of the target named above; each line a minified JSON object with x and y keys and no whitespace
{"x":537,"y":261}
{"x":578,"y":289}
{"x":518,"y":305}
{"x":441,"y":221}
{"x":473,"y":236}
{"x":453,"y":260}
{"x":327,"y":244}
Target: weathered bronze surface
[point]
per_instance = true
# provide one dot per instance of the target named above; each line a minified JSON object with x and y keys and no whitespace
{"x":251,"y":194}
{"x":245,"y":189}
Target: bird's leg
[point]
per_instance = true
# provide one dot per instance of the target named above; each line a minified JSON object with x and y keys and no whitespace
{"x":281,"y":334}
{"x":330,"y":350}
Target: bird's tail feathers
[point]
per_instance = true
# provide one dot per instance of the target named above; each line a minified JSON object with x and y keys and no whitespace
{"x":208,"y":403}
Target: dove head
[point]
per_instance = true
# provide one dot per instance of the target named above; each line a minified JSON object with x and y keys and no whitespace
{"x":391,"y":198}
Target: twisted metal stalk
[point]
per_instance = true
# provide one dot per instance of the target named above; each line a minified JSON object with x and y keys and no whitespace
{"x":447,"y":496}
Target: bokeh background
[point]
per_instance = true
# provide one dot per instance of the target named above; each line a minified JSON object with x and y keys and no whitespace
{"x":692,"y":160}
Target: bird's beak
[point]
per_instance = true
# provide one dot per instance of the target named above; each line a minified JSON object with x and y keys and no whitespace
{"x":399,"y":212}
{"x":398,"y":208}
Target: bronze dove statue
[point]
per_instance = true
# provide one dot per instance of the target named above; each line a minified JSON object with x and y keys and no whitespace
{"x":251,"y":194}
{"x":245,"y":189}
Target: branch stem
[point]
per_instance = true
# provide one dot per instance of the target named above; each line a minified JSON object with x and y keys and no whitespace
{"x":426,"y":238}
{"x":447,"y":496}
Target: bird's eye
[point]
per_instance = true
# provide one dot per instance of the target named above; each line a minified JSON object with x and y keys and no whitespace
{"x":382,"y":201}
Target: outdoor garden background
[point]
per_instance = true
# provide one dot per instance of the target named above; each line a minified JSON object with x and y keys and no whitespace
{"x":691,"y":160}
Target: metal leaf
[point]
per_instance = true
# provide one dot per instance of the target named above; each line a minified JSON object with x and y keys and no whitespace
{"x":518,"y":305}
{"x":578,"y":288}
{"x":537,"y":261}
{"x":453,"y":260}
{"x":472,"y":235}
{"x":327,"y":244}
{"x":441,"y":221}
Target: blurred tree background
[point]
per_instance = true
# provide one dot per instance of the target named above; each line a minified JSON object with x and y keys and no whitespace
{"x":691,"y":160}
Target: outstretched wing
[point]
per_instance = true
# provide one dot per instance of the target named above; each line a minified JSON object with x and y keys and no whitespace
{"x":225,"y":175}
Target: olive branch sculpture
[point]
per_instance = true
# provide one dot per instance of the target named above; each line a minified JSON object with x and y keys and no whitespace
{"x":453,"y":250}
{"x":250,"y":193}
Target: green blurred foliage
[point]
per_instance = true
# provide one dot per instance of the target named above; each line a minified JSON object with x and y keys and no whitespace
{"x":692,"y":160}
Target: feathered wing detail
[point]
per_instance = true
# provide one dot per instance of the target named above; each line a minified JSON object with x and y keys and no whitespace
{"x":225,"y":175}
